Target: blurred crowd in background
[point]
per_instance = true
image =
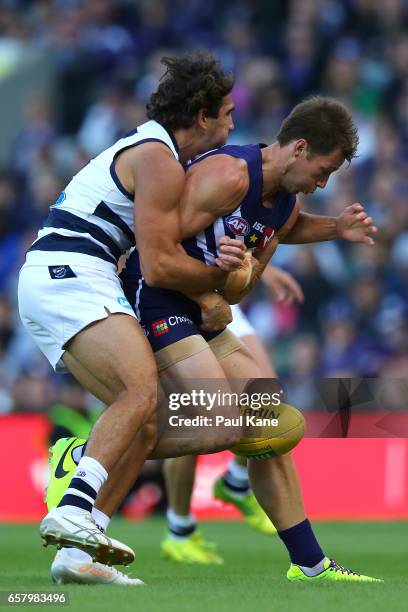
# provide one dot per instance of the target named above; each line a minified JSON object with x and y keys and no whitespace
{"x":105,"y":59}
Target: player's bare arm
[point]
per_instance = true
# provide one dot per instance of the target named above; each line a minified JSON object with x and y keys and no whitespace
{"x":283,"y":287}
{"x":214,"y":187}
{"x":353,"y":224}
{"x":157,"y":180}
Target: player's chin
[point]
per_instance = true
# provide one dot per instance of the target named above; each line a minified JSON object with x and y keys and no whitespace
{"x":295,"y":189}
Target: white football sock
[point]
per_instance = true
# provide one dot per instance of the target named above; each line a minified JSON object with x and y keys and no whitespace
{"x":180,"y":527}
{"x":100,"y":518}
{"x":92,"y":472}
{"x":236,"y":479}
{"x":84,"y":486}
{"x":239,"y":472}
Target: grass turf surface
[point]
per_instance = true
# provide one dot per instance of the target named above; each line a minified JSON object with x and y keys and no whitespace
{"x":253,"y":577}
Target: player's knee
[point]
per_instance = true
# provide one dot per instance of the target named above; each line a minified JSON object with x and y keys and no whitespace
{"x":141,"y":397}
{"x":233,"y":437}
{"x":149,"y":433}
{"x":223,"y":441}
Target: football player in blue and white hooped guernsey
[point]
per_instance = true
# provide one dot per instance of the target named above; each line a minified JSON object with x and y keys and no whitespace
{"x":70,"y":298}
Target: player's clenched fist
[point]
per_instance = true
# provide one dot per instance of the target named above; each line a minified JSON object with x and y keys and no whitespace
{"x":215,"y":312}
{"x":231,"y":254}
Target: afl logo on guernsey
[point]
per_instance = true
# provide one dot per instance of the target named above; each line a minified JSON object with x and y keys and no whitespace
{"x":237,"y":225}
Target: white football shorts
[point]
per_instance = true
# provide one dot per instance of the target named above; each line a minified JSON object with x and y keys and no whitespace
{"x":58,"y":300}
{"x":240,"y":325}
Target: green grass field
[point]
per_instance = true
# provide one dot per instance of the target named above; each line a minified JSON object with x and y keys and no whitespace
{"x":253,"y":577}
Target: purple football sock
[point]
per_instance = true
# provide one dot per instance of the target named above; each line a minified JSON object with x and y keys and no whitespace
{"x":303,"y":548}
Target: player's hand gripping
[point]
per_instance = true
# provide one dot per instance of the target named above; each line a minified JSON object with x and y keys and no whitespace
{"x":215,"y":312}
{"x":232,"y":253}
{"x":354,"y":225}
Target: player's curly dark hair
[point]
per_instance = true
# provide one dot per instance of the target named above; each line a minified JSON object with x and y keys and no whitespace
{"x":325,"y":123}
{"x":191,"y":83}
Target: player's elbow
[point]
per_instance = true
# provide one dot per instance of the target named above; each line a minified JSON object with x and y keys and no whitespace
{"x":153,"y":276}
{"x":156,"y":272}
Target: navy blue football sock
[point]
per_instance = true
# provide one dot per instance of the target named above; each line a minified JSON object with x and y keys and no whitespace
{"x":303,"y":548}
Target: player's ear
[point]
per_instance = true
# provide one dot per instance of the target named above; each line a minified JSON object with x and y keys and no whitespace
{"x":201,"y":119}
{"x":300,"y":147}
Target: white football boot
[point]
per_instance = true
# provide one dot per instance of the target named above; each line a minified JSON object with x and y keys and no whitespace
{"x":79,"y":530}
{"x":68,"y":570}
